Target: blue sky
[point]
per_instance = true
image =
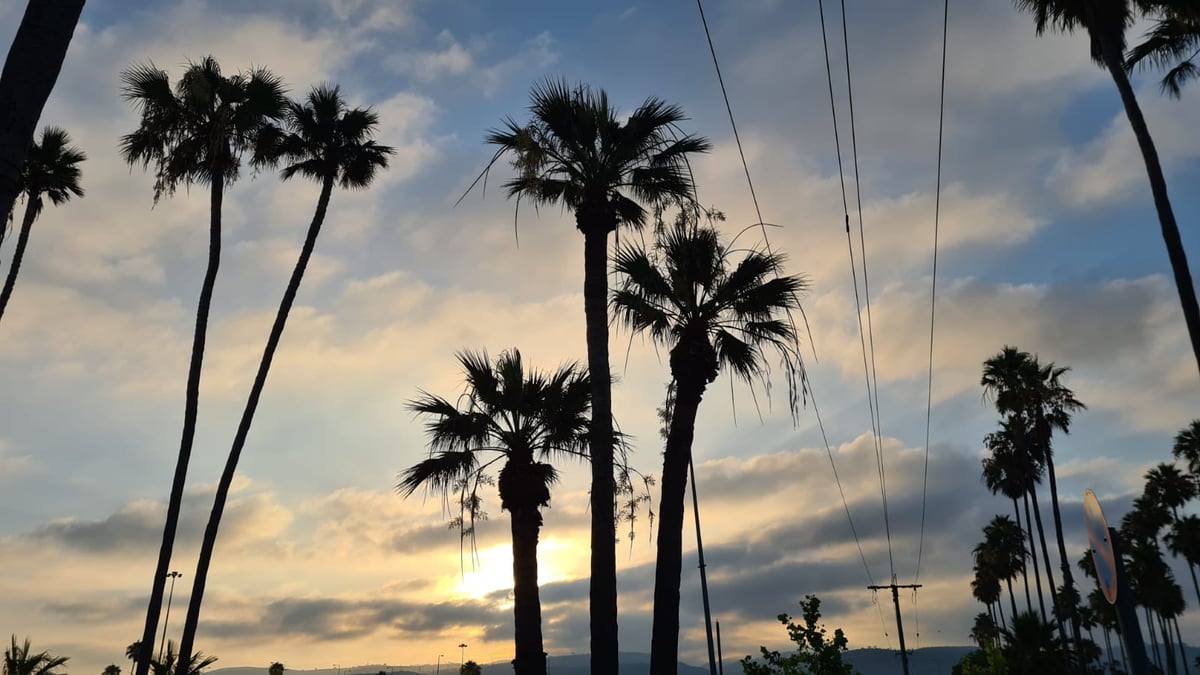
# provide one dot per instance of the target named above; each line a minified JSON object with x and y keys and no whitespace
{"x":1048,"y":241}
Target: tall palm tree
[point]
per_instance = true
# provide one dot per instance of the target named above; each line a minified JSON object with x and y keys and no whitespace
{"x":30,"y":71}
{"x":1035,"y":403}
{"x":52,"y":172}
{"x":1172,"y":43}
{"x":712,"y":313}
{"x":1032,"y":648}
{"x":1105,"y":23}
{"x":18,"y":660}
{"x":575,"y":151}
{"x":983,"y":630}
{"x":326,"y":141}
{"x":197,"y":132}
{"x":523,"y":418}
{"x":133,"y":653}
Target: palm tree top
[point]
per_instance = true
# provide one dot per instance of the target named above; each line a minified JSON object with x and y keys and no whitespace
{"x":688,"y":288}
{"x":323,"y":137}
{"x":203,"y":126}
{"x":1172,"y":43}
{"x":507,"y":410}
{"x":19,"y":661}
{"x":1106,"y":19}
{"x":52,"y":169}
{"x":574,"y":150}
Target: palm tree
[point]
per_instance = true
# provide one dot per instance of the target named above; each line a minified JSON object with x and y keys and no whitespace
{"x":1032,"y":648}
{"x":1106,"y":23}
{"x":30,"y":71}
{"x":984,"y":631}
{"x":523,"y":418}
{"x":1035,"y":403}
{"x":470,"y":668}
{"x":985,"y":587}
{"x":18,"y":660}
{"x":1003,"y":549}
{"x":52,"y":171}
{"x":712,"y":314}
{"x":1172,"y":43}
{"x":1187,"y":447}
{"x":1007,"y":472}
{"x":111,"y":669}
{"x":167,"y":665}
{"x":328,"y":142}
{"x":275,"y":668}
{"x":575,"y":151}
{"x":133,"y":652}
{"x":197,"y":133}
{"x":1183,"y":541}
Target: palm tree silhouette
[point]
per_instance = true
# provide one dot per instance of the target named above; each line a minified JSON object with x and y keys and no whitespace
{"x":18,"y":660}
{"x":523,"y":418}
{"x":1035,"y":403}
{"x":1172,"y":43}
{"x":576,"y":151}
{"x":167,"y":665}
{"x":30,"y":71}
{"x":1031,"y":647}
{"x":198,"y":132}
{"x":712,"y":314}
{"x":1003,"y":551}
{"x":52,"y":172}
{"x":1105,"y":23}
{"x":1183,"y":541}
{"x":1007,"y":472}
{"x":985,"y":587}
{"x":328,"y":142}
{"x":1187,"y":447}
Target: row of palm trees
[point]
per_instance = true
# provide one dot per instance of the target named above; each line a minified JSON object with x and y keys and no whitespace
{"x":203,"y":130}
{"x":713,"y":308}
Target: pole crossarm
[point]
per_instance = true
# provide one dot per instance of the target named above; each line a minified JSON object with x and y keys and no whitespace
{"x":895,"y":588}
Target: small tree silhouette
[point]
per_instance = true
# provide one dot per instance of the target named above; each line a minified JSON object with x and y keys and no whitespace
{"x":814,"y":655}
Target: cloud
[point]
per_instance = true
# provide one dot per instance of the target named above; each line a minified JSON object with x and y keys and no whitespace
{"x":13,"y":465}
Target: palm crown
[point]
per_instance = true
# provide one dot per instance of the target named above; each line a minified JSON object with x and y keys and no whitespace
{"x":1103,"y":19}
{"x":323,"y":138}
{"x":19,"y":661}
{"x":518,"y":415}
{"x":1172,"y":43}
{"x":199,"y":131}
{"x":575,"y":151}
{"x":52,"y":169}
{"x":689,"y":292}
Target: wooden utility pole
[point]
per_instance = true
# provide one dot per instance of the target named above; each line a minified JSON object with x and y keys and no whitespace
{"x":899,"y":623}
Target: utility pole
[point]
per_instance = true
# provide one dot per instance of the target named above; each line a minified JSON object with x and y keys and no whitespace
{"x":899,"y":623}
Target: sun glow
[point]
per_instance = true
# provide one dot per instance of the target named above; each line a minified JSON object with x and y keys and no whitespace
{"x":492,"y":569}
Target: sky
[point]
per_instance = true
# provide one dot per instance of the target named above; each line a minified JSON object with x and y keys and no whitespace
{"x":1048,"y":241}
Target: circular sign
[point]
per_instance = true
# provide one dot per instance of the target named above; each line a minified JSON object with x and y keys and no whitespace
{"x":1102,"y":551}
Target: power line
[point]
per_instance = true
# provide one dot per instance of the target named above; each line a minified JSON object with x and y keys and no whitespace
{"x":758,"y":212}
{"x":878,"y":426}
{"x":937,"y":207}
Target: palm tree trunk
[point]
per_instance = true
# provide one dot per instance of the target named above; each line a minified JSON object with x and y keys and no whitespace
{"x":1114,"y":61}
{"x":1037,"y":575}
{"x":31,"y":211}
{"x":1108,"y":665}
{"x":191,"y":409}
{"x":527,"y":606}
{"x":664,"y":636}
{"x":239,"y":441}
{"x":1037,"y":518}
{"x":1168,"y":644}
{"x":1192,"y":569}
{"x":602,"y":594}
{"x":1011,"y":598}
{"x":1153,"y":637}
{"x":1025,"y":574}
{"x":30,"y":71}
{"x":1182,"y":650}
{"x":1000,"y":608}
{"x":1068,"y":581}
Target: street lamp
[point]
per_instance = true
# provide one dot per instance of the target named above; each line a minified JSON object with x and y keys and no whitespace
{"x":439,"y":664}
{"x":462,"y":649}
{"x":172,"y":576}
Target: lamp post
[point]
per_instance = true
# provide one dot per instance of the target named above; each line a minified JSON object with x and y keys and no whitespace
{"x":172,"y":576}
{"x":462,"y":650}
{"x":439,"y":665}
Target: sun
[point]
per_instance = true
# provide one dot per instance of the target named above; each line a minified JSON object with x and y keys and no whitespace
{"x":492,"y":571}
